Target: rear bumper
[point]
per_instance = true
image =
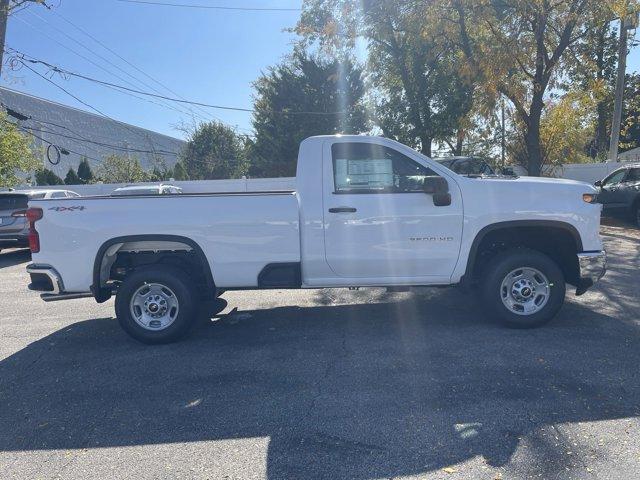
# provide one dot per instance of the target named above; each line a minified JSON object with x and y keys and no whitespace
{"x":592,"y":267}
{"x":45,"y":279}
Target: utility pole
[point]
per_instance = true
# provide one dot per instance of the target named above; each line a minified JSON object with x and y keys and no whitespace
{"x":627,"y":22}
{"x":4,"y":15}
{"x":502,"y":139}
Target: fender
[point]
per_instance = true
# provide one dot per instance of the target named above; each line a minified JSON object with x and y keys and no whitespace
{"x":515,"y":224}
{"x":102,"y":294}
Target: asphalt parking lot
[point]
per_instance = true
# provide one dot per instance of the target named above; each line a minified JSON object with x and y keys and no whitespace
{"x":326,"y":384}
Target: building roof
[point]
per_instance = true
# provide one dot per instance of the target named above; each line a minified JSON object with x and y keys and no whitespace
{"x":87,"y":134}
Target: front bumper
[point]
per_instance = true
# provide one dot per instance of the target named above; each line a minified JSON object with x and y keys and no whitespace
{"x":592,"y":267}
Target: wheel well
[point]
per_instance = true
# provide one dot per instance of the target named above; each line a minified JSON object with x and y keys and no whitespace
{"x":558,"y":242}
{"x":120,"y":257}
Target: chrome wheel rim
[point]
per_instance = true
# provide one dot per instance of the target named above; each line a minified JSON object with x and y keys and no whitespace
{"x":154,"y":306}
{"x":525,"y":291}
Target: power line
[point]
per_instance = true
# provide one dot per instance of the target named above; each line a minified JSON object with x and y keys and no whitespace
{"x":106,"y":47}
{"x":82,"y":56}
{"x":213,"y":7}
{"x":101,"y":57}
{"x":48,"y":142}
{"x":124,"y":125}
{"x":26,"y":58}
{"x":102,"y":144}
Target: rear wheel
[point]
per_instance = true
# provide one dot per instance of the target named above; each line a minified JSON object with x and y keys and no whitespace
{"x":523,"y":288}
{"x":156,"y":304}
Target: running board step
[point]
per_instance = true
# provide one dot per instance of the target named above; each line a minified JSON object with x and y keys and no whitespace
{"x":52,"y":297}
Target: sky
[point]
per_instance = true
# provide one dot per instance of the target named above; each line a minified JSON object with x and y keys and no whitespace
{"x":205,"y":55}
{"x":210,"y":56}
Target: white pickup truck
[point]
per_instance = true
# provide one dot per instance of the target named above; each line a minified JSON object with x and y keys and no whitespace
{"x":367,"y":211}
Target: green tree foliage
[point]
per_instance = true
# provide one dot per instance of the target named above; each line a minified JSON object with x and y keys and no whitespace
{"x":565,"y":129}
{"x":84,"y":171}
{"x":72,"y":178}
{"x":45,"y":176}
{"x":303,"y":83}
{"x":180,"y":172}
{"x":214,"y":151}
{"x":594,"y":71}
{"x":16,"y":153}
{"x":630,"y":132}
{"x":121,"y":169}
{"x":420,"y":93}
{"x":160,"y":171}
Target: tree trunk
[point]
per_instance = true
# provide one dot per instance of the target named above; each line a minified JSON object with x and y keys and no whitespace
{"x":425,"y":144}
{"x":459,"y":141}
{"x":532,"y":137}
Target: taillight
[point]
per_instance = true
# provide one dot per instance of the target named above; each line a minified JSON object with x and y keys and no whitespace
{"x":19,"y":213}
{"x":33,"y":215}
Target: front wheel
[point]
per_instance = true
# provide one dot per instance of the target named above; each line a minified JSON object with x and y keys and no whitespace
{"x":523,"y":288}
{"x":156,"y":304}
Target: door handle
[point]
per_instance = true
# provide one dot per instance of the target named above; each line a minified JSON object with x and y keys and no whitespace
{"x":342,"y":210}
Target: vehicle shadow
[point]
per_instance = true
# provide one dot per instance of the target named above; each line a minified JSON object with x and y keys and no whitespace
{"x":342,"y":391}
{"x":11,"y":258}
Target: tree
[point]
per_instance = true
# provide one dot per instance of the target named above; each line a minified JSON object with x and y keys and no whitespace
{"x":84,"y":171}
{"x":214,"y":151}
{"x":565,"y":130}
{"x":180,"y":172}
{"x":120,"y":169}
{"x":45,"y":176}
{"x":303,"y":83}
{"x":630,"y":134}
{"x":518,"y":49}
{"x":419,"y":92}
{"x":160,"y":171}
{"x":72,"y":178}
{"x":16,"y":154}
{"x":594,"y":70}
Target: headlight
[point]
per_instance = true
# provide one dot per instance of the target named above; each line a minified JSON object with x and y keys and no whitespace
{"x":589,"y":197}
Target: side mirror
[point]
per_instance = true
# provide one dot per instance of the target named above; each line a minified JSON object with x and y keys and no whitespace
{"x":435,"y":185}
{"x":598,"y":183}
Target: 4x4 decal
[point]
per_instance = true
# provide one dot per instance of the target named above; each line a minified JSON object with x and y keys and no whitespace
{"x":68,"y":209}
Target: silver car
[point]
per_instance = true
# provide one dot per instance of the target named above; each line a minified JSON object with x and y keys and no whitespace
{"x":14,"y":227}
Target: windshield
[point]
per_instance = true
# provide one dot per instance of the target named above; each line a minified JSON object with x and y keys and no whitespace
{"x":467,"y":166}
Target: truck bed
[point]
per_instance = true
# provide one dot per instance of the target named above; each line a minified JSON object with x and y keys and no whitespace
{"x":239,"y":232}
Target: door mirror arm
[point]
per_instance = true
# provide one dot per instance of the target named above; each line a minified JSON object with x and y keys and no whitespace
{"x":598,"y":183}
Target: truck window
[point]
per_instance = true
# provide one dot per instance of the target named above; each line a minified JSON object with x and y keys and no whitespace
{"x":634,"y":175}
{"x":371,"y":168}
{"x":615,"y":177}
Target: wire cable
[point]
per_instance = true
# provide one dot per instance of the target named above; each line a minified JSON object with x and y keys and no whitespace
{"x":213,"y":7}
{"x":101,"y":57}
{"x":26,"y":58}
{"x":132,"y":65}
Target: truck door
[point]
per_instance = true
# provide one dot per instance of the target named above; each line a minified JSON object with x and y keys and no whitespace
{"x":379,"y":223}
{"x":611,"y":196}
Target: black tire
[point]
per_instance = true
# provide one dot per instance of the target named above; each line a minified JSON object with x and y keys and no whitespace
{"x":178,"y":284}
{"x":509,"y":261}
